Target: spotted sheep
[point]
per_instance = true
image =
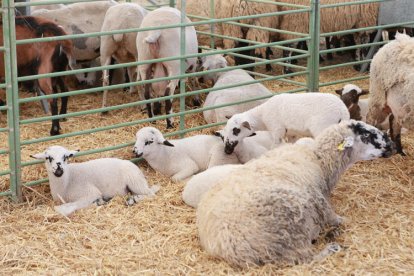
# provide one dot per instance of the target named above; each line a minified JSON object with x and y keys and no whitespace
{"x":276,"y":220}
{"x":284,"y":115}
{"x":42,"y":58}
{"x":80,"y":185}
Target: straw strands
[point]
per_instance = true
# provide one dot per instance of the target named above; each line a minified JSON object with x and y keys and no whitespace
{"x":158,"y":236}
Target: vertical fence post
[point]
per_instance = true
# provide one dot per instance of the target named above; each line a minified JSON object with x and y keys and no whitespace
{"x":212,"y":27}
{"x":172,"y":3}
{"x":313,"y":60}
{"x":12,"y":95}
{"x":182,"y":63}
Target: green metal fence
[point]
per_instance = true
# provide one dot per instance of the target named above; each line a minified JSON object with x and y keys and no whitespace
{"x":15,"y":164}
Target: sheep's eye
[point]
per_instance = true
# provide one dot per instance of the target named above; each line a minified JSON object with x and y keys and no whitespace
{"x":148,"y":142}
{"x":366,"y":135}
{"x":50,"y":159}
{"x":236,"y":131}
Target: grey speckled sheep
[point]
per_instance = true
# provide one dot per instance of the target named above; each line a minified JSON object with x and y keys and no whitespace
{"x":271,"y":209}
{"x":392,"y":85}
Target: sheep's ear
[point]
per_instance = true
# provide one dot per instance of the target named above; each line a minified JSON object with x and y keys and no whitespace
{"x":71,"y":153}
{"x":339,"y":92}
{"x":219,"y":134}
{"x":364,"y":92}
{"x":253,"y":134}
{"x":348,"y":142}
{"x":167,"y":143}
{"x":228,"y":116}
{"x":39,"y":156}
{"x":246,"y":125}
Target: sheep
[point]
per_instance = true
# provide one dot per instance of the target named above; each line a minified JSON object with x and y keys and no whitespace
{"x":331,"y":20}
{"x":211,"y":62}
{"x":48,"y":7}
{"x":42,"y":58}
{"x":350,"y":94}
{"x":80,"y":185}
{"x":178,"y":159}
{"x":271,"y":209}
{"x":233,"y":8}
{"x":305,"y":114}
{"x":250,"y":147}
{"x":161,"y":44}
{"x":391,"y":85}
{"x":79,"y":18}
{"x":217,"y":156}
{"x":200,"y":183}
{"x":231,"y":95}
{"x":122,"y":47}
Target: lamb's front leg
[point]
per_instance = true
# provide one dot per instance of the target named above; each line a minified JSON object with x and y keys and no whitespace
{"x":188,"y":170}
{"x":68,"y":208}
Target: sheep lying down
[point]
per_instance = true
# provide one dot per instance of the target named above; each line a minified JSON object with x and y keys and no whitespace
{"x":80,"y":185}
{"x":272,"y":208}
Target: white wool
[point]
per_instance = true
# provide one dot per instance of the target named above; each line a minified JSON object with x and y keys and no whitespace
{"x":349,"y":87}
{"x":231,"y":95}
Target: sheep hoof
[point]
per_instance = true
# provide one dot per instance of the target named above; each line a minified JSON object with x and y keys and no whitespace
{"x":134,"y":199}
{"x":64,"y":210}
{"x":102,"y":201}
{"x":54,"y":131}
{"x":327,"y":251}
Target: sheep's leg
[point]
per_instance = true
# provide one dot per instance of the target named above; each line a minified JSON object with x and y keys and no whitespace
{"x":145,"y":72}
{"x":395,"y":134}
{"x":287,"y":70}
{"x":157,"y":108}
{"x":327,"y":251}
{"x":168,"y":103}
{"x":189,"y":170}
{"x":131,"y":75}
{"x":55,"y":122}
{"x":68,"y":208}
{"x":329,"y":56}
{"x":269,"y":52}
{"x":105,"y":81}
{"x":64,"y":100}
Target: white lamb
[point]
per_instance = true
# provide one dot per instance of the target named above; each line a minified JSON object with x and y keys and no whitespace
{"x":271,"y":209}
{"x":232,"y":95}
{"x":163,"y":43}
{"x":211,"y":62}
{"x":299,"y":115}
{"x":79,"y":185}
{"x":121,"y":47}
{"x":200,"y":183}
{"x":178,"y":159}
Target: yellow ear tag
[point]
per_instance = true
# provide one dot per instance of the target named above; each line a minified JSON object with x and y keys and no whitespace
{"x":341,"y":146}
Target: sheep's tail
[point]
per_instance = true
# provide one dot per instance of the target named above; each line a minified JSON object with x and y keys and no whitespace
{"x":117,"y":37}
{"x":154,"y":45}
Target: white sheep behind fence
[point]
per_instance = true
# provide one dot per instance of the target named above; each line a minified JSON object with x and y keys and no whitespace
{"x":121,"y":47}
{"x":79,"y":185}
{"x":275,"y":220}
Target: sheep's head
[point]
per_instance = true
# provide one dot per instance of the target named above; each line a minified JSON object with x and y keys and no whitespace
{"x":56,"y":158}
{"x":350,"y":94}
{"x":211,"y":62}
{"x":365,"y":142}
{"x":236,"y":129}
{"x":147,"y":140}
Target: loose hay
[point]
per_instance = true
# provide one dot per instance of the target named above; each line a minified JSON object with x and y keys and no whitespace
{"x":158,"y":236}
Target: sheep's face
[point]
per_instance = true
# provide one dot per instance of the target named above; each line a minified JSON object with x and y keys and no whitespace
{"x":147,"y":141}
{"x":56,"y":158}
{"x":369,"y":142}
{"x":350,"y":96}
{"x":237,"y":128}
{"x":212,"y":62}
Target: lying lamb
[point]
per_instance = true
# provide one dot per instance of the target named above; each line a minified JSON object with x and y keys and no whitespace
{"x":231,"y":95}
{"x":299,"y":115}
{"x":79,"y":185}
{"x":178,"y":159}
{"x":274,"y":220}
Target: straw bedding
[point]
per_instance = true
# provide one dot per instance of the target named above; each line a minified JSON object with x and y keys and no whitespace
{"x":158,"y":236}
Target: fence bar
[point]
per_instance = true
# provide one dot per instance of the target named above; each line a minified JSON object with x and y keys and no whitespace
{"x":212,"y":26}
{"x":344,"y":80}
{"x":313,"y":60}
{"x":6,"y":193}
{"x":183,"y":68}
{"x":9,"y":35}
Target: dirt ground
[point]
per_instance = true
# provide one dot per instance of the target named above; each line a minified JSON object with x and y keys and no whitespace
{"x":158,"y":236}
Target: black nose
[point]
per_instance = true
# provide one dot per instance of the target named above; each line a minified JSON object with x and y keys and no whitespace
{"x":58,"y":172}
{"x":229,"y":147}
{"x":390,"y":149}
{"x":139,"y":155}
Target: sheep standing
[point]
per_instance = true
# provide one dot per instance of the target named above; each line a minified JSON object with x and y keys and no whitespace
{"x":231,"y":95}
{"x":300,"y":115}
{"x":391,"y":86}
{"x":245,"y":221}
{"x":81,"y":184}
{"x":161,"y":44}
{"x":122,"y":47}
{"x":177,"y":159}
{"x":48,"y":7}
